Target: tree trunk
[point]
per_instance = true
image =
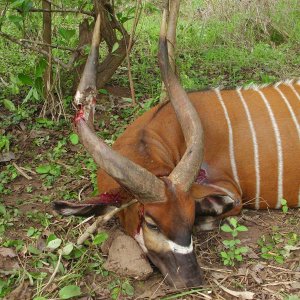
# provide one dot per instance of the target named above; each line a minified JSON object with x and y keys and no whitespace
{"x":47,"y":40}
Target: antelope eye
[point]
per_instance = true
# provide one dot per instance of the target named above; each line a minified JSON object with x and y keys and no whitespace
{"x":151,"y":225}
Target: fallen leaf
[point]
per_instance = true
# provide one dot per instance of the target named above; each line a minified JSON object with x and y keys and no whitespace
{"x":7,"y":252}
{"x":257,"y":279}
{"x":7,"y":156}
{"x":295,"y":285}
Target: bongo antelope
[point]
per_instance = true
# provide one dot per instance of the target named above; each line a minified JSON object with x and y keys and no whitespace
{"x":196,"y":159}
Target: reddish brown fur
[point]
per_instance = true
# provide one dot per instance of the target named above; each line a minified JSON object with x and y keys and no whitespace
{"x":155,"y":141}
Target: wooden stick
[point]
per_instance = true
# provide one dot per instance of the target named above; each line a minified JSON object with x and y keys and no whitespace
{"x":54,"y":272}
{"x":21,"y":171}
{"x":102,"y":220}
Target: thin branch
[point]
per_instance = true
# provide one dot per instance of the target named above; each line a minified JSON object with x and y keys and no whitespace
{"x":102,"y":220}
{"x":67,"y":66}
{"x":21,"y":171}
{"x":48,"y":45}
{"x":36,"y":49}
{"x":67,"y":10}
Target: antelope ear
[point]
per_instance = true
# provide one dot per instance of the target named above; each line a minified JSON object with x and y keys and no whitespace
{"x":211,"y":201}
{"x":66,"y":208}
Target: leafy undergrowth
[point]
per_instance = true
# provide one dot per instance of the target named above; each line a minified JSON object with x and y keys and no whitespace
{"x":39,"y":258}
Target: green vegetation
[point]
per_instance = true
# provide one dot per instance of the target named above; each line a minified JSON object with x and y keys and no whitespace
{"x":233,"y":252}
{"x":277,"y":246}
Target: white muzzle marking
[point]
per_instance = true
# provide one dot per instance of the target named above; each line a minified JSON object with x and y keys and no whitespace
{"x":180,"y":249}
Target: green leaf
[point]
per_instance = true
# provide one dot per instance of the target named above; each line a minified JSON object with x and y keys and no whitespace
{"x":242,"y":228}
{"x":17,"y":3}
{"x":239,"y":257}
{"x":40,"y":68}
{"x":67,"y":249}
{"x":74,"y":138}
{"x":28,"y":96}
{"x":69,"y":291}
{"x":31,"y":231}
{"x":115,"y":293}
{"x":67,"y":34}
{"x":55,"y":170}
{"x":127,"y":288}
{"x":39,"y":298}
{"x":100,"y":238}
{"x":54,"y":244}
{"x":243,"y":249}
{"x":279,"y":259}
{"x":233,"y":222}
{"x":2,"y":209}
{"x":33,"y":250}
{"x":25,"y":79}
{"x":229,"y":243}
{"x":9,"y":105}
{"x":16,"y":20}
{"x":43,"y":169}
{"x":283,"y":202}
{"x":234,"y":233}
{"x":51,"y":237}
{"x":35,"y":94}
{"x":267,"y":256}
{"x":226,"y":228}
{"x":115,"y":47}
{"x":103,"y":91}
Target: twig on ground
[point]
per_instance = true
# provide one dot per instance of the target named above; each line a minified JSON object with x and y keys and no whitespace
{"x":216,"y":270}
{"x":28,"y":170}
{"x":102,"y":220}
{"x":83,"y":222}
{"x":82,"y":189}
{"x":283,"y":269}
{"x":278,"y":283}
{"x":21,"y":171}
{"x":238,"y":294}
{"x":162,"y":281}
{"x":54,"y":272}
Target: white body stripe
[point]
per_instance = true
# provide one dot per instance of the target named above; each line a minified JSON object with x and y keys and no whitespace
{"x":294,"y":90}
{"x":180,"y":249}
{"x":289,"y":108}
{"x":230,"y":133}
{"x":279,"y":148}
{"x":255,"y":149}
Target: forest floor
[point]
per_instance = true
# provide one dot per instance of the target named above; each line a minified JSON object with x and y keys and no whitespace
{"x":48,"y":167}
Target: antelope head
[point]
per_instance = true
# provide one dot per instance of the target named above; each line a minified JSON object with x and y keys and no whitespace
{"x":164,"y":216}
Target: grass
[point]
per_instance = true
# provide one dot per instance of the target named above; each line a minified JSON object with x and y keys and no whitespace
{"x":220,"y":43}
